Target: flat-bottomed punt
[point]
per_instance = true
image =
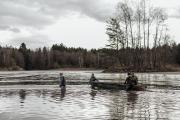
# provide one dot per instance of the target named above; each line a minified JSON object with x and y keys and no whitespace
{"x":116,"y":86}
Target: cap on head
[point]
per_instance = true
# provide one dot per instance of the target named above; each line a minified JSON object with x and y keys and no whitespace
{"x":129,"y":73}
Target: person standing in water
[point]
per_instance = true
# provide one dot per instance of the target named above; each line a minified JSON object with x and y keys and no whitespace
{"x":131,"y":81}
{"x":92,"y":79}
{"x":62,"y":81}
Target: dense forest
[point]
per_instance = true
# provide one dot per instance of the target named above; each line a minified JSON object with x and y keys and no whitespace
{"x":138,"y":41}
{"x":139,"y":34}
{"x":60,"y":56}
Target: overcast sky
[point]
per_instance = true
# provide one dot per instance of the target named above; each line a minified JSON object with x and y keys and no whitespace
{"x":75,"y":23}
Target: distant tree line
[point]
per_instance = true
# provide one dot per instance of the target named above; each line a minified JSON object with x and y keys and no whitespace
{"x":138,"y":33}
{"x":60,"y":56}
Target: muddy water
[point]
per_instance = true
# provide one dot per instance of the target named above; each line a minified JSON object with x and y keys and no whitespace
{"x":80,"y":102}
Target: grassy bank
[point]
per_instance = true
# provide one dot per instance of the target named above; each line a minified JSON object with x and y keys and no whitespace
{"x":118,"y":69}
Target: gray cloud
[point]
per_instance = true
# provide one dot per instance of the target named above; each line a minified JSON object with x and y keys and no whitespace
{"x":34,"y":41}
{"x":12,"y":29}
{"x":16,"y":14}
{"x":20,"y":15}
{"x":174,"y":13}
{"x":39,"y":13}
{"x":175,"y":16}
{"x":15,"y":30}
{"x":98,"y":9}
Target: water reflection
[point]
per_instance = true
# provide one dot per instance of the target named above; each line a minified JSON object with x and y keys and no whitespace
{"x":117,"y":106}
{"x":22,"y":94}
{"x":80,"y":102}
{"x":93,"y":94}
{"x":63,"y":92}
{"x":135,"y":105}
{"x":131,"y":110}
{"x":132,"y":97}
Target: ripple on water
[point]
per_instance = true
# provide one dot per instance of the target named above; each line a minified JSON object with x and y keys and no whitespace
{"x":80,"y":102}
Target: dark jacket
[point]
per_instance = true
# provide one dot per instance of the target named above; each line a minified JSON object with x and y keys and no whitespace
{"x":131,"y":80}
{"x":62,"y":81}
{"x":92,"y":79}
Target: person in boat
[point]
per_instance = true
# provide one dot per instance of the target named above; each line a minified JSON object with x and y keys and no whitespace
{"x":135,"y":79}
{"x":93,"y":79}
{"x":62,"y":81}
{"x":131,"y":81}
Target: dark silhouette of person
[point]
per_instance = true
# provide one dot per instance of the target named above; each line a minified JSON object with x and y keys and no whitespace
{"x":131,"y":81}
{"x":93,"y":78}
{"x":62,"y":81}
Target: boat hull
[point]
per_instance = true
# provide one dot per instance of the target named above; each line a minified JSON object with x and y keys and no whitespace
{"x":116,"y":86}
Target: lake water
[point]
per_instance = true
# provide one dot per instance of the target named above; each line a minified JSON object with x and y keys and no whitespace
{"x":80,"y":102}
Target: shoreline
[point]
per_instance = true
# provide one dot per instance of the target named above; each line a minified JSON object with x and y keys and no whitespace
{"x":165,"y":69}
{"x":60,"y":69}
{"x":95,"y":69}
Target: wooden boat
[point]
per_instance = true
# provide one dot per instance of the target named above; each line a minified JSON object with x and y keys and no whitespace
{"x":116,"y":86}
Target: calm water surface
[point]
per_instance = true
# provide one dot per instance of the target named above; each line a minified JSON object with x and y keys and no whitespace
{"x":80,"y":102}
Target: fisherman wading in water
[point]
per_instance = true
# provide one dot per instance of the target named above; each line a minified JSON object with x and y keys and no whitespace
{"x":92,"y":80}
{"x":62,"y":81}
{"x":131,"y":81}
